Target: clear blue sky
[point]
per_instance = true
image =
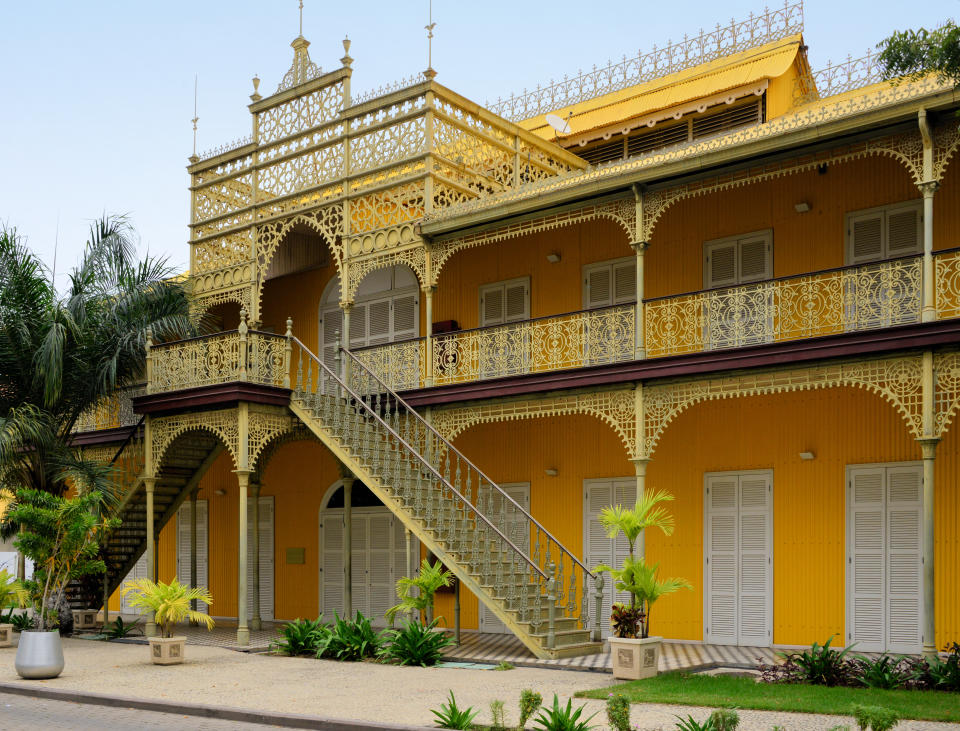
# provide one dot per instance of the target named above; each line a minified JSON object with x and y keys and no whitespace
{"x":100,"y":93}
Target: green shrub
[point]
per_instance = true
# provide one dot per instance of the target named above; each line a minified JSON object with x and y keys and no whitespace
{"x":618,"y":712}
{"x":530,"y":703}
{"x":302,"y":636}
{"x":691,"y":724}
{"x":350,"y":639}
{"x":875,"y":718}
{"x":724,"y":719}
{"x":885,"y":672}
{"x":449,"y":716}
{"x":414,"y":644}
{"x":119,"y":629}
{"x":820,"y":665}
{"x":563,"y":719}
{"x":945,"y":674}
{"x":22,"y":622}
{"x":497,"y":721}
{"x":503,"y":665}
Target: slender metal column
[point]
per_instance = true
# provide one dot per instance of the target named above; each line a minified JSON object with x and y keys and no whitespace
{"x":347,"y":547}
{"x":256,"y":623}
{"x":193,"y":545}
{"x":243,"y":630}
{"x":428,"y":370}
{"x":456,"y":611}
{"x":928,"y":445}
{"x":149,"y":483}
{"x":929,"y":304}
{"x":640,"y":465}
{"x":640,"y":350}
{"x":106,"y":599}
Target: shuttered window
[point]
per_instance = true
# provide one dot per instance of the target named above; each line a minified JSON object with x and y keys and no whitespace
{"x":610,"y":283}
{"x":139,"y":571}
{"x":515,"y":527}
{"x":598,"y":548}
{"x":503,"y":302}
{"x":884,"y":557}
{"x":738,"y":544}
{"x":184,"y":540}
{"x":265,"y":505}
{"x":738,"y":260}
{"x":884,"y":233}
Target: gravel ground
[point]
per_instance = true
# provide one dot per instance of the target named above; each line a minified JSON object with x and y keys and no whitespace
{"x":366,"y":691}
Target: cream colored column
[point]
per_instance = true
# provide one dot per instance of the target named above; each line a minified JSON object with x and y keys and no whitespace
{"x":640,"y":350}
{"x":243,"y":630}
{"x":428,"y":345}
{"x":929,"y":303}
{"x":640,"y":466}
{"x":347,"y":547}
{"x":928,"y":446}
{"x":149,"y":484}
{"x":256,"y":623}
{"x":193,"y":545}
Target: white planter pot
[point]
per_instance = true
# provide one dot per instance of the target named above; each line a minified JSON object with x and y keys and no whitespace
{"x":39,"y":655}
{"x":634,"y":659}
{"x":6,"y":635}
{"x":167,"y":650}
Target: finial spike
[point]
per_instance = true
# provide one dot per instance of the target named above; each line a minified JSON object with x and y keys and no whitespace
{"x":430,"y":73}
{"x":301,"y":17}
{"x":196,"y":117}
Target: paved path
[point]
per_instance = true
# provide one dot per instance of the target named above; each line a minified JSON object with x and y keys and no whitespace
{"x":19,"y":713}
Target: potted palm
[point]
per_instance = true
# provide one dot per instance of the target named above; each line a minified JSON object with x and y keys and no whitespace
{"x":170,"y":603}
{"x":13,"y":595}
{"x":416,"y":593}
{"x":634,"y":653}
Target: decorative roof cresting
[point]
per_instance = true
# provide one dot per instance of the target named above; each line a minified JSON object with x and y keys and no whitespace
{"x":303,"y":69}
{"x":757,"y":30}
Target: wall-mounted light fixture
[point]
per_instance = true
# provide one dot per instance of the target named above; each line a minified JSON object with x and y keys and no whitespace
{"x":807,"y":456}
{"x":801,"y":207}
{"x":552,"y":471}
{"x":553,"y":257}
{"x":219,"y":492}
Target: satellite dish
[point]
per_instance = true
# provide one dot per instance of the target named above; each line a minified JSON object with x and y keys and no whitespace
{"x":559,"y":124}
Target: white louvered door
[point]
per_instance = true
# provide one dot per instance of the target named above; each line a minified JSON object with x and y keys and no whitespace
{"x":884,"y":562}
{"x":139,"y":571}
{"x":381,"y":593}
{"x":598,"y":548}
{"x":331,"y":563}
{"x":747,"y":318}
{"x":184,"y":538}
{"x":520,"y":492}
{"x":266,"y":557}
{"x":738,"y":542}
{"x":507,"y":352}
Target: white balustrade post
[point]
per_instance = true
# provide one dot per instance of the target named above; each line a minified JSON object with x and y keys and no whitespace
{"x":243,"y":630}
{"x":640,"y":351}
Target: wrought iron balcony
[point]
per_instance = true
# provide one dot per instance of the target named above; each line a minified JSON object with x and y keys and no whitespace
{"x":113,"y":412}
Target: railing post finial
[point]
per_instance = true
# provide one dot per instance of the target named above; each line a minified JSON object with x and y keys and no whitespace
{"x":288,"y":353}
{"x":338,"y":359}
{"x":242,"y":327}
{"x":598,"y":597}
{"x":242,"y":330}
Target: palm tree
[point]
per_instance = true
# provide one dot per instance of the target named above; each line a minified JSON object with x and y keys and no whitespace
{"x":62,"y":352}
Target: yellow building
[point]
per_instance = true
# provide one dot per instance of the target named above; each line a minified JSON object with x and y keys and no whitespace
{"x":711,"y":271}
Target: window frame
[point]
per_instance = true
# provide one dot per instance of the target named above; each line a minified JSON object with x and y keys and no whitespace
{"x":611,"y":265}
{"x":503,"y":285}
{"x":914,"y":203}
{"x":766,"y":233}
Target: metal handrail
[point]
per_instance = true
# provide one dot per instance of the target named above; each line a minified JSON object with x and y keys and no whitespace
{"x":454,"y":333}
{"x":358,"y":399}
{"x":459,"y":454}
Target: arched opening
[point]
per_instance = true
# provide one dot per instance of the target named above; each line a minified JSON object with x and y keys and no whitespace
{"x":378,"y":549}
{"x":386,"y":309}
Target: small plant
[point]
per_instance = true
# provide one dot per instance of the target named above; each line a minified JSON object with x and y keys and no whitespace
{"x":625,"y":621}
{"x":497,"y":716}
{"x":563,"y":719}
{"x":119,"y":629}
{"x":22,"y":622}
{"x":875,"y":718}
{"x":416,"y":594}
{"x":415,"y":644}
{"x":302,"y":636}
{"x":13,"y":594}
{"x":169,"y":602}
{"x":449,"y":716}
{"x":945,"y":674}
{"x":885,"y":672}
{"x":503,"y":665}
{"x":691,"y":724}
{"x":820,"y":665}
{"x":618,"y":712}
{"x":530,"y":703}
{"x":350,"y":639}
{"x":724,"y":719}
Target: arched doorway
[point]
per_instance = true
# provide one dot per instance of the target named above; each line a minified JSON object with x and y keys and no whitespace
{"x":378,"y":550}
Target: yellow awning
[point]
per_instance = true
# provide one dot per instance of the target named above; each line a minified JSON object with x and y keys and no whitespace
{"x":747,"y":67}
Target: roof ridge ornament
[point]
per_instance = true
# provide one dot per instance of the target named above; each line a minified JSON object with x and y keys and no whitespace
{"x":430,"y":73}
{"x":303,"y":69}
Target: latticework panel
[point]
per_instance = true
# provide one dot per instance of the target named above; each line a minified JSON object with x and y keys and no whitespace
{"x":220,"y":253}
{"x":946,"y":366}
{"x":301,"y":113}
{"x":387,"y":208}
{"x":399,"y":365}
{"x":387,"y":145}
{"x":493,"y":163}
{"x":111,"y":412}
{"x":306,"y":170}
{"x":224,"y":423}
{"x":947,"y":277}
{"x":412,"y":256}
{"x":222,"y":198}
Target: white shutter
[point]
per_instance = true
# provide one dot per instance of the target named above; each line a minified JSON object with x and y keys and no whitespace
{"x":491,"y":305}
{"x":904,"y":566}
{"x":721,"y":569}
{"x":358,"y":325}
{"x":753,"y":259}
{"x":405,"y":313}
{"x":609,"y":283}
{"x":379,"y":579}
{"x":332,"y":325}
{"x":265,"y":505}
{"x":358,"y":546}
{"x":488,"y":621}
{"x":597,"y":286}
{"x":755,"y":565}
{"x":625,"y":281}
{"x":184,"y":536}
{"x":865,"y":232}
{"x":866,"y":525}
{"x":516,"y":300}
{"x":331,"y":573}
{"x":139,"y":571}
{"x":720,"y":264}
{"x":904,"y":235}
{"x":598,"y":548}
{"x":378,"y":322}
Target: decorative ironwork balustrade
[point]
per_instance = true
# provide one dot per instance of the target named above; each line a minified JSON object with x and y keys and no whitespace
{"x":575,"y":340}
{"x":841,"y":300}
{"x":947,"y":279}
{"x":401,"y":363}
{"x":112,"y":412}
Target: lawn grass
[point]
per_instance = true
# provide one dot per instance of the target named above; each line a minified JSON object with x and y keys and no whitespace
{"x":720,"y":691}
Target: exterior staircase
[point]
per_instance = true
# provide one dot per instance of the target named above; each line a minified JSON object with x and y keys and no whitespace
{"x":540,"y":593}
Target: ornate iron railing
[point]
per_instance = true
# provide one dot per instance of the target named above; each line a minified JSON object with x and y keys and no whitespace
{"x":836,"y":301}
{"x":837,"y":78}
{"x":467,"y":512}
{"x":947,"y":278}
{"x":235,"y":355}
{"x":401,"y":363}
{"x":756,"y":30}
{"x":574,"y":340}
{"x":112,"y":412}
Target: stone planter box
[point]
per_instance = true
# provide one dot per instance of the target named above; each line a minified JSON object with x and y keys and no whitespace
{"x":6,"y":635}
{"x":167,"y":650}
{"x":85,"y":619}
{"x":634,"y":659}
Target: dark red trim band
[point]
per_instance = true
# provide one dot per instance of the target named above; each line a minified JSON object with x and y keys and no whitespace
{"x":220,"y":395}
